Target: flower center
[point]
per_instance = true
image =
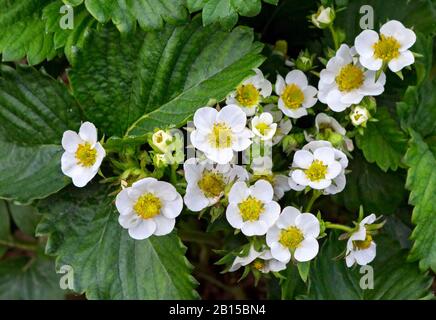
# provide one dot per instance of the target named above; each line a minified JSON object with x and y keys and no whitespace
{"x":212,"y":184}
{"x":147,"y":206}
{"x":316,"y":171}
{"x":258,"y":264}
{"x":291,"y":237}
{"x":363,"y":244}
{"x":262,"y":127}
{"x":266,"y":177}
{"x":349,"y":78}
{"x":86,"y":155}
{"x":251,"y":208}
{"x":292,"y":96}
{"x":247,"y":95}
{"x":221,"y":136}
{"x":387,"y":48}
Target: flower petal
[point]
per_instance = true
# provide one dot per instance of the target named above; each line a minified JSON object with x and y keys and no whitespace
{"x":302,"y":159}
{"x":233,"y":116}
{"x":307,"y":250}
{"x":308,"y":224}
{"x":365,"y":41}
{"x":123,"y":203}
{"x":164,"y":225}
{"x":194,"y":199}
{"x":239,"y":192}
{"x":234,"y":216}
{"x":88,"y":133}
{"x":262,"y":190}
{"x":254,"y":228}
{"x":280,"y":253}
{"x":143,"y":230}
{"x":297,"y":77}
{"x":288,"y":217}
{"x":204,"y":118}
{"x":271,"y":213}
{"x":172,"y":208}
{"x":405,"y":59}
{"x":70,"y":141}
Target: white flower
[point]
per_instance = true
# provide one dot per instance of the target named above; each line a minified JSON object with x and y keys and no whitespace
{"x":295,"y":95}
{"x":284,"y":124}
{"x":219,"y":133}
{"x":83,"y":154}
{"x":262,"y":261}
{"x":295,"y":234}
{"x":323,"y":17}
{"x":345,"y":82}
{"x":249,"y":94}
{"x":391,"y":48}
{"x":148,"y":207}
{"x":161,"y":140}
{"x":359,"y":116}
{"x":262,"y":169}
{"x":207,"y":182}
{"x":263,"y":126}
{"x":252,"y":209}
{"x":360,"y":247}
{"x":315,"y":169}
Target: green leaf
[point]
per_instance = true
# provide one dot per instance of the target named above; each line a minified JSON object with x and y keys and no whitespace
{"x":303,"y":270}
{"x":29,"y":279}
{"x":25,"y":217}
{"x":292,"y":285}
{"x":417,"y":110}
{"x":68,"y":39}
{"x":150,"y":14}
{"x":83,"y":232}
{"x":225,"y":12}
{"x":370,"y":187}
{"x":421,"y":181}
{"x":394,"y":277}
{"x":5,"y":226}
{"x":23,"y":32}
{"x":383,"y":142}
{"x":162,"y":76}
{"x":35,"y":110}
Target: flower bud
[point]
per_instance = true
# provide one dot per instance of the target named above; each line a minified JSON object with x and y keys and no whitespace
{"x":305,"y":61}
{"x":161,"y":140}
{"x":359,"y":116}
{"x":323,"y":18}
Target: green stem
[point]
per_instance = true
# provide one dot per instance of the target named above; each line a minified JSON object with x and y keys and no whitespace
{"x":173,"y":177}
{"x":17,"y":245}
{"x":315,"y":195}
{"x":334,"y":36}
{"x":330,"y":225}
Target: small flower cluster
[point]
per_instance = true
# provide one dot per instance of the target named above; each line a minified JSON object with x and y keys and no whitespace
{"x":248,"y":196}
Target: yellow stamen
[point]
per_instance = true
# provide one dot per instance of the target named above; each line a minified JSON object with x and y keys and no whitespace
{"x":387,"y":48}
{"x":247,"y":95}
{"x":258,"y":264}
{"x":291,"y":237}
{"x":316,"y":171}
{"x":86,"y":155}
{"x":147,"y":206}
{"x":221,"y":136}
{"x":212,"y":184}
{"x":262,"y":127}
{"x":292,"y":96}
{"x":251,"y":208}
{"x":363,"y":244}
{"x":349,"y":78}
